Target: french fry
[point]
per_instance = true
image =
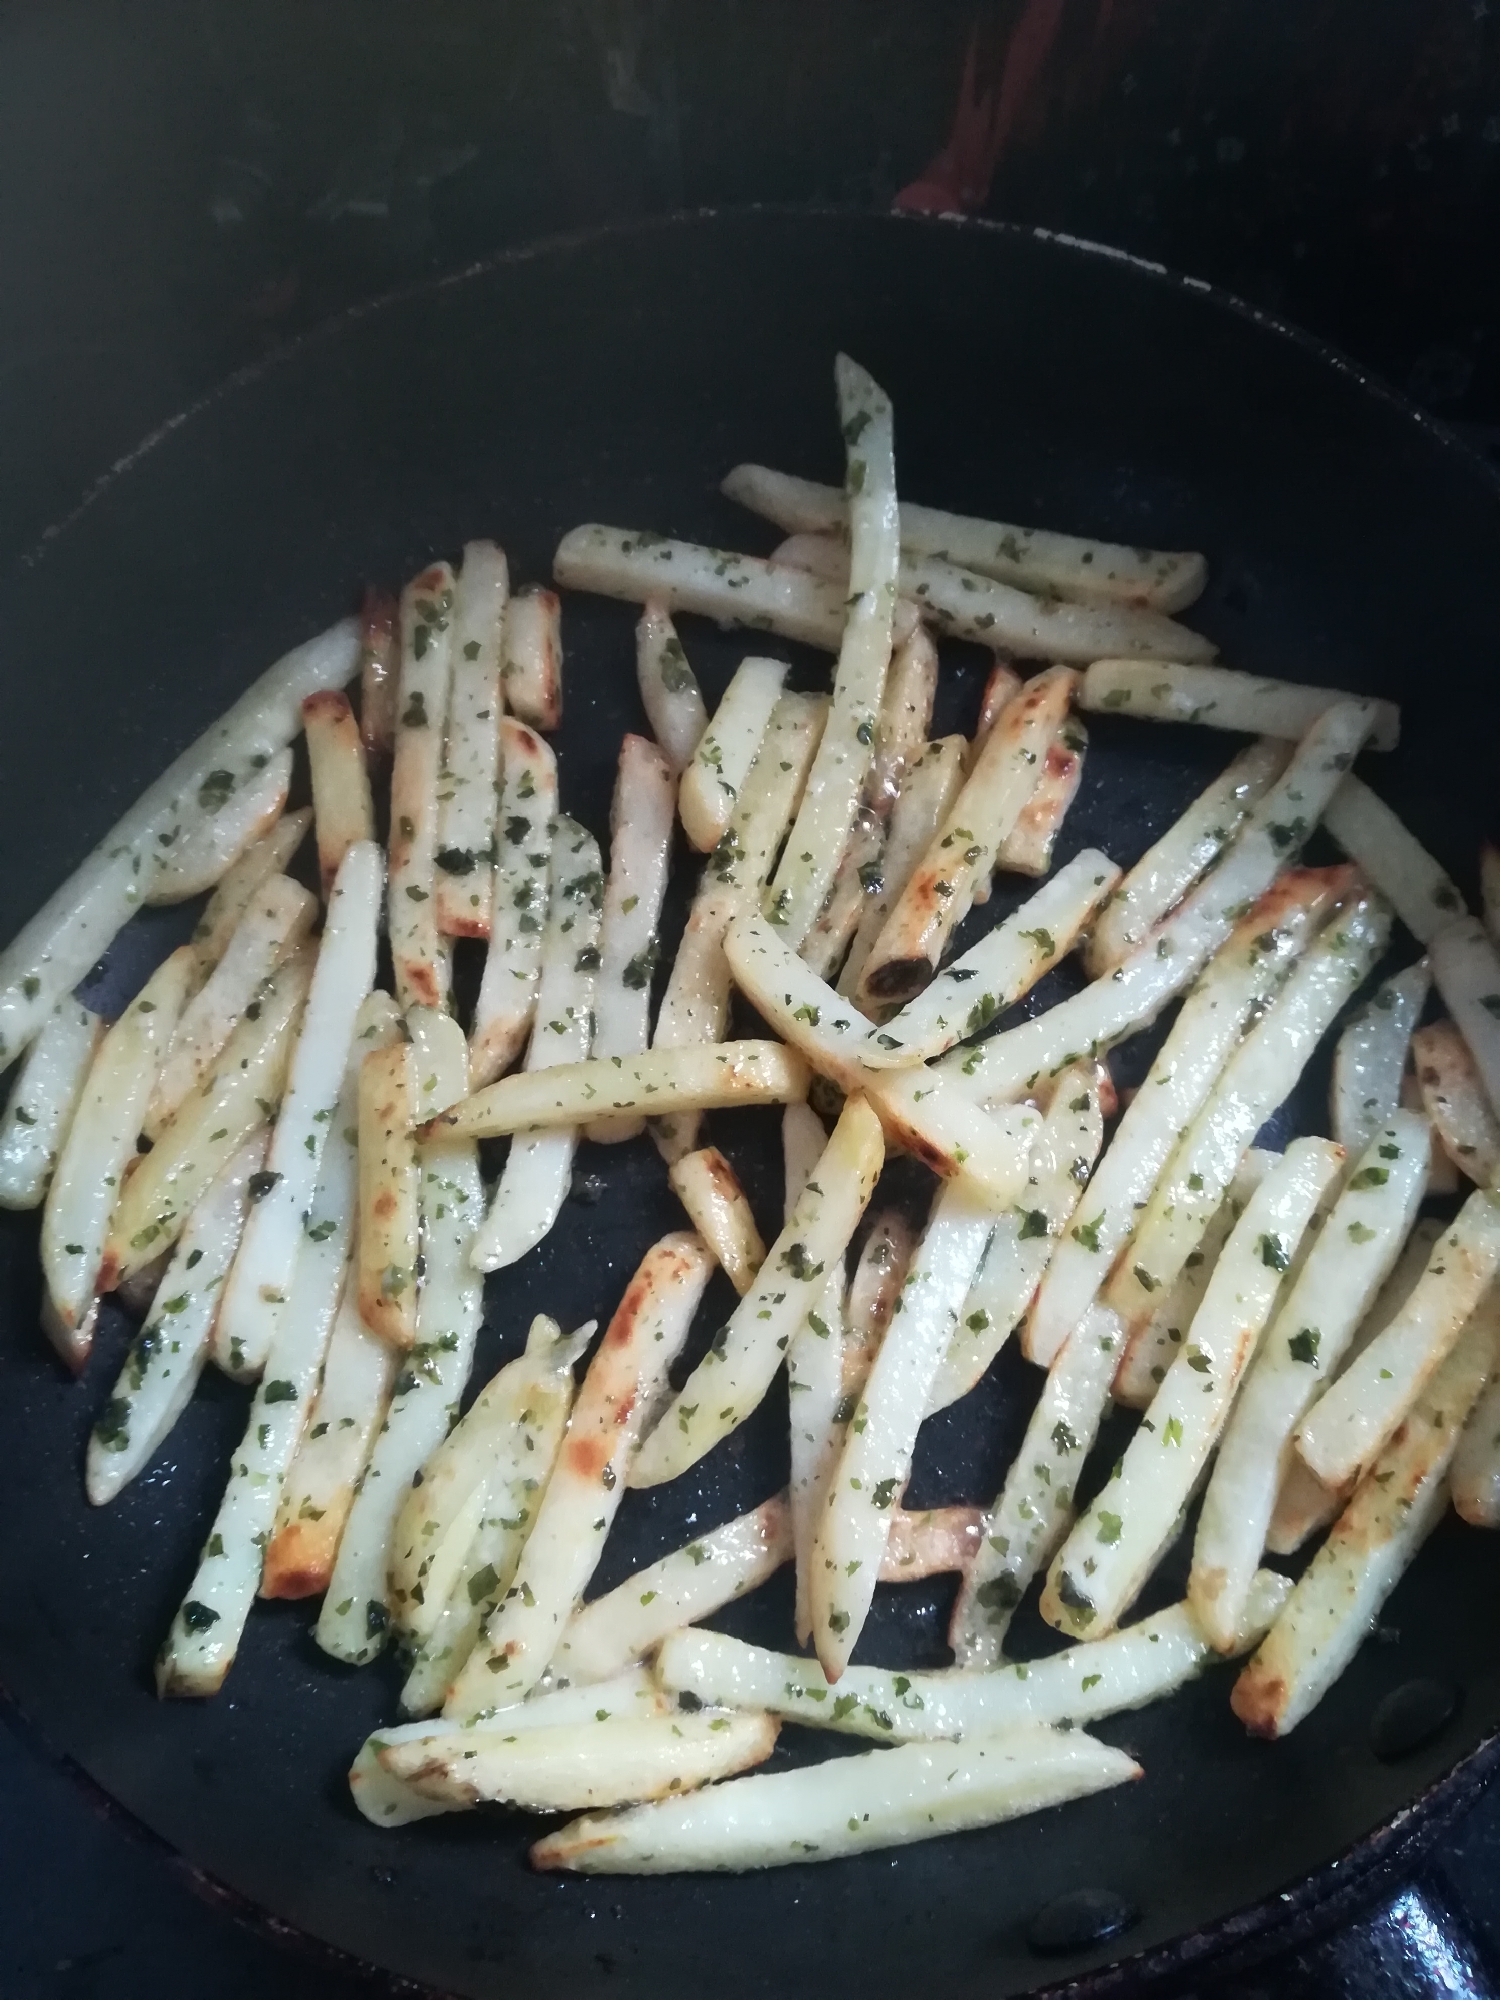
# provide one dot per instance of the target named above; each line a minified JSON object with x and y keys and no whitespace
{"x":1394,"y":1509}
{"x":1442,"y":1176}
{"x":1027,"y":848}
{"x":829,"y":1031}
{"x":1466,"y":969}
{"x":640,"y":857}
{"x":512,"y":966}
{"x":816,"y":1367}
{"x":355,"y":1618}
{"x":441,"y":1055}
{"x":1220,"y":698}
{"x":930,"y":1541}
{"x":720,"y":764}
{"x":232,"y":898}
{"x":940,"y":891}
{"x":43,"y":1100}
{"x":706,"y":1185}
{"x":342,"y":806}
{"x":926,"y":1114}
{"x":670,"y":693}
{"x":421,"y":719}
{"x":389,"y":1195}
{"x":539,"y":1168}
{"x":603,"y":1638}
{"x":379,"y":671}
{"x":468,"y":783}
{"x":532,"y":672}
{"x":879,"y":1274}
{"x":239,"y":807}
{"x":1185,"y":852}
{"x":732,"y":1378}
{"x":1001,"y":687}
{"x":927,"y":793}
{"x":1352,"y":1257}
{"x":1370,"y":1056}
{"x":100,"y":1146}
{"x":1455,"y":1101}
{"x":1476,"y":1463}
{"x":1034,"y":559}
{"x":1123,"y":1533}
{"x":584,"y":1493}
{"x":1422,"y":894}
{"x":852,"y":1805}
{"x":1351,"y":1423}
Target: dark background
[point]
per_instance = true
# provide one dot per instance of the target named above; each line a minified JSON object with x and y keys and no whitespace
{"x":185,"y":186}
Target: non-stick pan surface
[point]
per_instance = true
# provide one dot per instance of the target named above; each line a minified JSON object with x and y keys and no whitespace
{"x":616,"y":378}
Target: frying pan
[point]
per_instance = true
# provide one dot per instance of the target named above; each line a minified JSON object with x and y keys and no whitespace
{"x":616,"y":377}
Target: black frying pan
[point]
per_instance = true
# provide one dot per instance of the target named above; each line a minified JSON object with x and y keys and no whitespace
{"x":617,"y":377}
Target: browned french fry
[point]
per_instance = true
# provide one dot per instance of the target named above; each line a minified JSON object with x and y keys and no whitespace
{"x":532,"y":672}
{"x":377,"y":673}
{"x":389,"y":1186}
{"x":708,"y":1188}
{"x":1001,"y":687}
{"x":930,"y":1542}
{"x":342,"y":806}
{"x":1027,"y":848}
{"x":1453,"y":1097}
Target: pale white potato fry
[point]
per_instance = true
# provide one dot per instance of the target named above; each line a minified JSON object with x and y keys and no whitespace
{"x":1352,"y":1256}
{"x":343,"y":809}
{"x":1489,"y":887}
{"x":625,"y":1378}
{"x":441,"y":1055}
{"x":227,"y":906}
{"x":161,"y":1370}
{"x":1442,"y":1176}
{"x":816,"y":1368}
{"x":1001,"y":687}
{"x":640,"y":859}
{"x":71,"y":930}
{"x":1394,"y":1508}
{"x":239,"y":807}
{"x":670,"y":693}
{"x":1189,"y":847}
{"x":468,"y":783}
{"x":421,"y":719}
{"x":1369,"y":1058}
{"x":712,"y":781}
{"x":732,"y":1378}
{"x":258,"y":1287}
{"x":851,"y":1805}
{"x":1033,"y":559}
{"x":1466,"y":969}
{"x":708,"y":1188}
{"x":355,"y":1617}
{"x":830,"y":1031}
{"x":1455,"y":1101}
{"x":1027,"y":848}
{"x":803,"y":1139}
{"x":240,"y":1097}
{"x":1220,"y":698}
{"x":276,"y":922}
{"x":389,"y":1232}
{"x":1422,"y":894}
{"x":605,"y":1637}
{"x":926,"y":1114}
{"x":1124,"y":1532}
{"x":879,"y":1274}
{"x":42,"y":1101}
{"x":379,"y":669}
{"x":532,"y":673}
{"x":1476,"y":1463}
{"x":928,"y":790}
{"x":538,"y":1170}
{"x":512,"y":966}
{"x":1257,"y":1078}
{"x":1351,"y":1422}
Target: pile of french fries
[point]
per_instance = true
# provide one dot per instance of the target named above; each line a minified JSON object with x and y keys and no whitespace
{"x":272,"y":1160}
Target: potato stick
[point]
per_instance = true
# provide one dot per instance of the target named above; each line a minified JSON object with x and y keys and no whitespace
{"x":1166,"y":962}
{"x":874,"y":1289}
{"x":1351,"y":1258}
{"x":1000,"y":689}
{"x":1122,"y":1535}
{"x":1394,"y":1508}
{"x":355,"y":1616}
{"x":379,"y":673}
{"x":441,"y":1055}
{"x":161,"y":1370}
{"x":100,"y":1146}
{"x":1423,"y":895}
{"x":875,"y":1461}
{"x":926,"y":1114}
{"x":1455,"y":1101}
{"x":1466,"y":968}
{"x":1351,"y":1423}
{"x":732,"y":1378}
{"x":43,"y":1100}
{"x":850,"y":1805}
{"x":389,"y":1196}
{"x":829,"y":1031}
{"x":605,"y":1637}
{"x":1489,"y":887}
{"x":1237,"y":983}
{"x":205,"y":1635}
{"x":727,"y":749}
{"x":512,"y":966}
{"x":1476,"y":1463}
{"x":421,"y":719}
{"x":1027,"y":1235}
{"x":827,"y":943}
{"x":706,"y":1185}
{"x":819,"y":555}
{"x":1185,"y":852}
{"x":1034,"y":1509}
{"x":468,"y":782}
{"x":625,"y":1378}
{"x":1220,"y":698}
{"x":938,"y":895}
{"x":1033,"y":559}
{"x":532,"y":673}
{"x":931,"y":1541}
{"x":640,"y":857}
{"x":227,"y":906}
{"x":927,"y":793}
{"x":1370,"y":1056}
{"x":670,"y":693}
{"x":1443,"y":1176}
{"x":1027,"y":848}
{"x":240,"y":1097}
{"x":240,"y":809}
{"x":275,"y":924}
{"x":969,"y":994}
{"x":1257,"y":1078}
{"x":539,"y":1167}
{"x":816,"y":1367}
{"x":342,"y":806}
{"x":71,"y":930}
